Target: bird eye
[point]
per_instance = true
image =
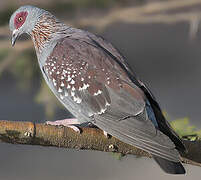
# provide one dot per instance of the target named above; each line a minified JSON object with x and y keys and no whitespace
{"x":20,"y":19}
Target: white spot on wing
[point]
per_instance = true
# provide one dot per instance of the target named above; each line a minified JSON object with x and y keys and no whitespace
{"x":72,"y":81}
{"x":62,"y":84}
{"x":60,"y":90}
{"x":66,"y":93}
{"x":69,"y":78}
{"x":98,"y":92}
{"x":102,"y":111}
{"x":90,"y":114}
{"x":77,"y":100}
{"x":68,"y":86}
{"x":85,"y":86}
{"x":107,"y":104}
{"x":61,"y":96}
{"x":72,"y":93}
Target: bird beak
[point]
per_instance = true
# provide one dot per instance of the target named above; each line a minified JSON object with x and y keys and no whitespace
{"x":14,"y":37}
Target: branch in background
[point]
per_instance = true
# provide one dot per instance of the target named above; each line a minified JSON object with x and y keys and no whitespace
{"x":155,"y":12}
{"x":8,"y":60}
{"x":194,"y":27}
{"x":20,"y":45}
{"x":171,"y":11}
{"x":89,"y":139}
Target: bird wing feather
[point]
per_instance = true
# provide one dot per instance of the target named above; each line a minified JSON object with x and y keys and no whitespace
{"x":117,"y":105}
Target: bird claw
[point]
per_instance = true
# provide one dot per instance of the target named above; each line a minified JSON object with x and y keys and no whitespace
{"x":76,"y":129}
{"x":71,"y":124}
{"x":106,"y":134}
{"x":65,"y":122}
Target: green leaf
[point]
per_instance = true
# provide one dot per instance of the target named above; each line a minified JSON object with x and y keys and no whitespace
{"x":185,"y":130}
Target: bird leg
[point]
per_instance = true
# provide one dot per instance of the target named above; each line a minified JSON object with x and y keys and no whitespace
{"x":106,"y":134}
{"x":71,"y":124}
{"x":67,"y":123}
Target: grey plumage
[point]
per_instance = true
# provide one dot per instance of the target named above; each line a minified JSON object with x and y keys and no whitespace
{"x":169,"y":167}
{"x":94,"y":82}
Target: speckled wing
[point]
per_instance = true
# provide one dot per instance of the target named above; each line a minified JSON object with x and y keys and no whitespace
{"x":93,"y":84}
{"x":80,"y":75}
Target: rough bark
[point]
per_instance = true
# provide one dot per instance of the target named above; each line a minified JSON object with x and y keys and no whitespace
{"x":17,"y":132}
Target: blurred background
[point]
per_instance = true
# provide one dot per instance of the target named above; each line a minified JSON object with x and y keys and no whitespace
{"x":160,"y":39}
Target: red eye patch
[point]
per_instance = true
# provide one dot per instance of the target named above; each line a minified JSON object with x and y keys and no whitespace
{"x":20,"y":19}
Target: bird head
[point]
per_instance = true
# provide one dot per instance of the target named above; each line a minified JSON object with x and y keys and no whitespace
{"x":23,"y":21}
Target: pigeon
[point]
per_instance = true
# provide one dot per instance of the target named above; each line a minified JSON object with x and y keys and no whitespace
{"x":91,"y":78}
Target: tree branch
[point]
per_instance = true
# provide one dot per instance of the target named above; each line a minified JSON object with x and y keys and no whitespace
{"x":17,"y":132}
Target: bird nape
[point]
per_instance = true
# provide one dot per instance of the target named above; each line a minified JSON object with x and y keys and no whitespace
{"x":94,"y":82}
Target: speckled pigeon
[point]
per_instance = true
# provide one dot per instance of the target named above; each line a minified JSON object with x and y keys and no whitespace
{"x":93,"y":81}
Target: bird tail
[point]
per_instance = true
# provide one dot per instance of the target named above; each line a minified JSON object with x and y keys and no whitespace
{"x":169,"y":167}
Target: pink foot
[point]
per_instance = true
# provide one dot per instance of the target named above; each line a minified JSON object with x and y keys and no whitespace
{"x":106,"y":134}
{"x":65,"y":122}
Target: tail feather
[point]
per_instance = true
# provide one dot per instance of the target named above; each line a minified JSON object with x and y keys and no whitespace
{"x":170,"y":167}
{"x":164,"y":126}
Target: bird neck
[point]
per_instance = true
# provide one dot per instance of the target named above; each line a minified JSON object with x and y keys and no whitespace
{"x":47,"y":30}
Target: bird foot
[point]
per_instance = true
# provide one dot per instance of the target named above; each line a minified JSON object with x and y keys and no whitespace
{"x":71,"y":124}
{"x":107,"y":135}
{"x":75,"y":128}
{"x":67,"y":123}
